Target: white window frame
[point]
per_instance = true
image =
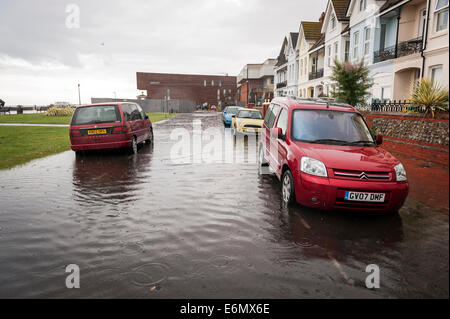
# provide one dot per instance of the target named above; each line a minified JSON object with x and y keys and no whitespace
{"x":437,"y":12}
{"x":432,"y":69}
{"x":329,"y":55}
{"x":333,"y":22}
{"x":347,"y":50}
{"x":336,"y":50}
{"x":356,"y":46}
{"x":362,"y":5}
{"x":367,"y":41}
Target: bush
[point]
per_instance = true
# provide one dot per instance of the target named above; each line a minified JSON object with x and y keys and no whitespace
{"x":430,"y":97}
{"x":59,"y":111}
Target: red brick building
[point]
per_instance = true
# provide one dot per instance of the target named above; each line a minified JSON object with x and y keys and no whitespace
{"x":255,"y":82}
{"x":211,"y":89}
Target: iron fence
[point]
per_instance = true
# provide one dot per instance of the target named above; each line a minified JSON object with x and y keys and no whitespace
{"x":401,"y":49}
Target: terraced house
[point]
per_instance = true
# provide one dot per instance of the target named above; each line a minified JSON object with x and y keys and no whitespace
{"x":337,"y":39}
{"x":399,"y":40}
{"x":309,"y":33}
{"x":286,"y":67}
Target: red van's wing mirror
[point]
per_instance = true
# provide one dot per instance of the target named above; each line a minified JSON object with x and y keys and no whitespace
{"x":276,"y":132}
{"x":379,"y":139}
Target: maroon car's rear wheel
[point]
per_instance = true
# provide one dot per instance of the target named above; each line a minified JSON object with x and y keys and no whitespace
{"x":134,"y":146}
{"x":150,"y":136}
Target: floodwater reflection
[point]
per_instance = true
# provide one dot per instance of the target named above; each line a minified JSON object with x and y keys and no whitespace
{"x":112,"y":177}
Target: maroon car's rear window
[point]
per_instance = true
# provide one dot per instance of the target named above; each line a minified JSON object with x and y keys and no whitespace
{"x":96,"y":115}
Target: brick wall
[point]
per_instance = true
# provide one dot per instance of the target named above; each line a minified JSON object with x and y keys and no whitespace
{"x":188,"y":87}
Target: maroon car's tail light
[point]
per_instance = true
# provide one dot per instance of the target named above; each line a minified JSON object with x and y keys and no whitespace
{"x":75,"y":133}
{"x":121,"y":130}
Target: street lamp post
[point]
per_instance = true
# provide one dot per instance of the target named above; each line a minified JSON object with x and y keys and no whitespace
{"x":79,"y":95}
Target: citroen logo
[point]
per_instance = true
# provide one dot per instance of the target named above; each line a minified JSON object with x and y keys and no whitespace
{"x":363,"y":176}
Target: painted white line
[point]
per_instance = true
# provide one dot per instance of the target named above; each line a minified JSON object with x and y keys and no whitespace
{"x":339,"y":268}
{"x":305,"y":223}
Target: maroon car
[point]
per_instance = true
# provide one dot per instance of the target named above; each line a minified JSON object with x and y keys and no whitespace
{"x":108,"y":126}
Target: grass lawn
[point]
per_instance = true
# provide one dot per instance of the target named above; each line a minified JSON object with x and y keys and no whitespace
{"x":34,"y":119}
{"x":43,"y":119}
{"x":19,"y":145}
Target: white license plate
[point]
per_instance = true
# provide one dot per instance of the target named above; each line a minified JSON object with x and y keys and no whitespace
{"x":365,"y":197}
{"x":251,"y":130}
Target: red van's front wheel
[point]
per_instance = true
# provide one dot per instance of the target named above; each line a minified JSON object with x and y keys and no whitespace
{"x":287,"y":187}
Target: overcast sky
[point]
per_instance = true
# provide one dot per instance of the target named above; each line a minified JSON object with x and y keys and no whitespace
{"x":42,"y":59}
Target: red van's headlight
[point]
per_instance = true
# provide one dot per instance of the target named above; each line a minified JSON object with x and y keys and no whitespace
{"x":312,"y":166}
{"x":400,"y":173}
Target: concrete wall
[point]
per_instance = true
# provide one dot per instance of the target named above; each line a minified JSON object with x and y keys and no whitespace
{"x":175,"y":106}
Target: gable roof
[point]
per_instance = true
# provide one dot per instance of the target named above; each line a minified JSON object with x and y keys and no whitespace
{"x":294,"y":38}
{"x":352,"y":5}
{"x":340,"y":8}
{"x":320,"y":41}
{"x":311,"y":30}
{"x":389,"y":4}
{"x":281,"y":57}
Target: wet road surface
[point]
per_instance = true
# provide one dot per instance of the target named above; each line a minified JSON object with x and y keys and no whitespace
{"x":144,"y":227}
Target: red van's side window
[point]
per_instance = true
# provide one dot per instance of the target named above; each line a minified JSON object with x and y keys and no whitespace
{"x":271,"y":115}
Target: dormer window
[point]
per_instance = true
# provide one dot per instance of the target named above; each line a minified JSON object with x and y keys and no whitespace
{"x":333,"y":22}
{"x":362,"y":5}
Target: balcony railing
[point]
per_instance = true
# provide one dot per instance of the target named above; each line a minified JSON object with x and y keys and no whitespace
{"x":281,"y":85}
{"x":316,"y":74}
{"x":402,"y":49}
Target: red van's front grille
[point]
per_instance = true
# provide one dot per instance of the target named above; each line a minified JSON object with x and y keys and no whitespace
{"x":362,"y":175}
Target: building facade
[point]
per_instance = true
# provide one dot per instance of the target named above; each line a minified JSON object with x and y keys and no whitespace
{"x":255,"y":83}
{"x":337,"y":39}
{"x":309,"y":34}
{"x":286,"y":67}
{"x":400,"y":41}
{"x":210,"y":89}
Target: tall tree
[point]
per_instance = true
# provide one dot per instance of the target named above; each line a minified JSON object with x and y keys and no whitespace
{"x":353,"y":82}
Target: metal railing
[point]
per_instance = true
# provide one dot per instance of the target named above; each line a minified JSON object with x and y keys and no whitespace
{"x":401,"y":49}
{"x":281,"y":85}
{"x":393,"y":107}
{"x":316,"y":74}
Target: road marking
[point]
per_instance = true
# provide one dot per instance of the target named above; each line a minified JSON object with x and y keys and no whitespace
{"x":305,"y":223}
{"x":338,"y":266}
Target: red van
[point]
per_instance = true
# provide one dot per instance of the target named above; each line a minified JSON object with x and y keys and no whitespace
{"x":111,"y":125}
{"x":327,"y":158}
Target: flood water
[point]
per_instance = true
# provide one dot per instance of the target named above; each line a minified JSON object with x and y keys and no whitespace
{"x":144,"y":227}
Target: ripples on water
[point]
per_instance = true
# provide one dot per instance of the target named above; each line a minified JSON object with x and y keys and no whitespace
{"x":139,"y":226}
